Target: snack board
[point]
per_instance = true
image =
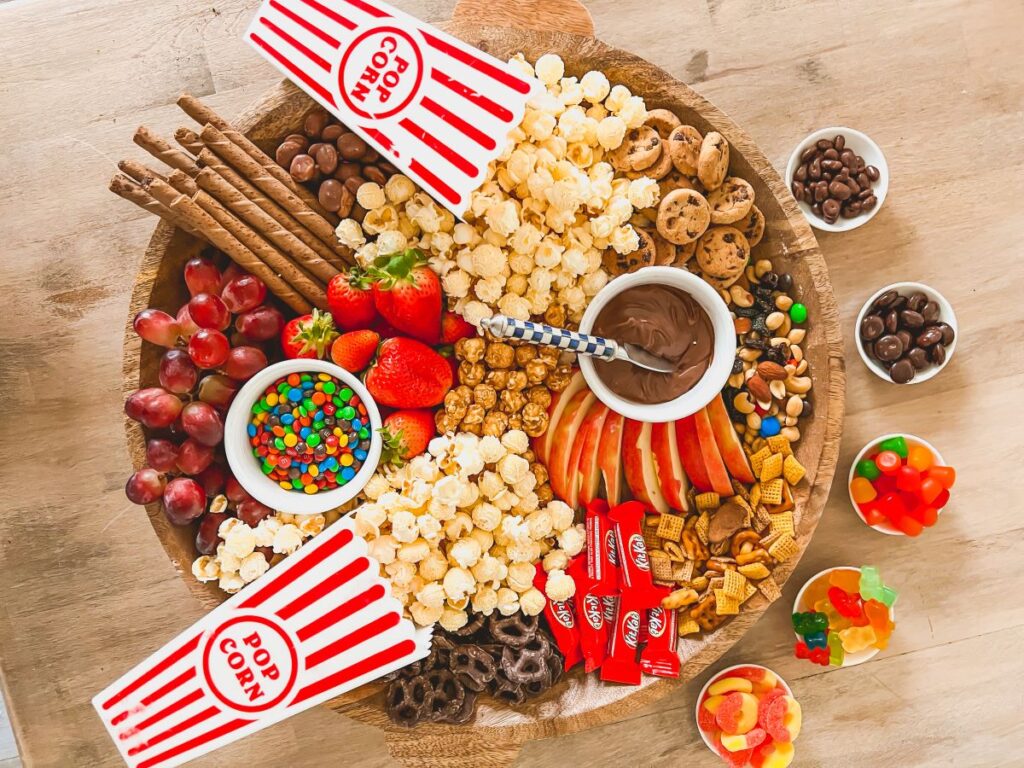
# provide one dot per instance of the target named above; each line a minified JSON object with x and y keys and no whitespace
{"x":593,"y":706}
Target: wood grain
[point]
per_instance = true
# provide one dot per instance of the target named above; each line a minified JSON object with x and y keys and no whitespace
{"x":83,"y":574}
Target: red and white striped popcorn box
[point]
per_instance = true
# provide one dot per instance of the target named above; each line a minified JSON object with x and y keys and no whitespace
{"x":320,"y":623}
{"x":438,"y":108}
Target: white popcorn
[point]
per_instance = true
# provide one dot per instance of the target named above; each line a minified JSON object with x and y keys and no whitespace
{"x":521,"y":65}
{"x":383,"y":549}
{"x":505,"y":500}
{"x":485,"y":600}
{"x":431,"y":595}
{"x":491,"y":449}
{"x":488,"y":260}
{"x":368,"y":519}
{"x":513,"y":468}
{"x":475,"y":311}
{"x":528,"y":502}
{"x":540,"y":524}
{"x":486,"y":516}
{"x":447,"y":490}
{"x":205,"y":568}
{"x":425,"y":615}
{"x":595,"y":86}
{"x":458,"y":526}
{"x":538,"y":125}
{"x":414,"y":551}
{"x":230,"y":582}
{"x":617,"y":97}
{"x":240,"y":540}
{"x":549,"y":68}
{"x":520,"y":576}
{"x":350,"y":234}
{"x":287,"y":539}
{"x":516,"y":441}
{"x":376,"y":485}
{"x":379,"y":220}
{"x":452,"y":619}
{"x":633,"y":112}
{"x":532,"y":602}
{"x":572,"y":91}
{"x":525,"y":551}
{"x":391,"y":241}
{"x":611,"y":131}
{"x":561,"y":514}
{"x":514,"y":306}
{"x":643,"y":192}
{"x":253,"y":566}
{"x":484,"y":538}
{"x":399,"y":188}
{"x":434,"y":566}
{"x":489,"y":290}
{"x":560,"y":585}
{"x":468,"y":495}
{"x":458,"y":583}
{"x":503,"y":218}
{"x":489,"y":569}
{"x":556,"y":559}
{"x":573,"y":540}
{"x":465,"y":552}
{"x":404,"y":527}
{"x":624,"y":239}
{"x":508,"y":601}
{"x":401,"y":572}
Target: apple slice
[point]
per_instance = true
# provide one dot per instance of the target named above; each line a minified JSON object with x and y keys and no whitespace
{"x":609,"y":456}
{"x":728,"y":441}
{"x":668,"y":466}
{"x":589,"y":440}
{"x":650,"y":468}
{"x":717,"y":473}
{"x":638,"y":461}
{"x":542,"y":444}
{"x":689,"y":453}
{"x":562,"y":482}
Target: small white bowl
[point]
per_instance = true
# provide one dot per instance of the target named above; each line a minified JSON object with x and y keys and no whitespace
{"x":716,"y":678}
{"x":946,"y":315}
{"x":849,"y":659}
{"x":862,"y":145}
{"x":246,"y":468}
{"x":886,"y":527}
{"x":713,"y":380}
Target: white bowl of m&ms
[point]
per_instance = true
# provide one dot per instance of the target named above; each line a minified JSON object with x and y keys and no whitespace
{"x":748,"y":715}
{"x":899,"y":484}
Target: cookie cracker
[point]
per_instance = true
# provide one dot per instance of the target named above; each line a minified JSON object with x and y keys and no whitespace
{"x":683,"y":216}
{"x":639,"y":149}
{"x":731,"y":201}
{"x":684,"y":145}
{"x":722,"y":252}
{"x":713,"y":160}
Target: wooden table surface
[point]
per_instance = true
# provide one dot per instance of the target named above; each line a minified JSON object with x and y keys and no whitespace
{"x":86,"y":589}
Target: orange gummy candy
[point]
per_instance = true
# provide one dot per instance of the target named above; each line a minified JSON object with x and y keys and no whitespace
{"x":836,"y":621}
{"x":817,"y":590}
{"x":878,"y":615}
{"x":848,"y":581}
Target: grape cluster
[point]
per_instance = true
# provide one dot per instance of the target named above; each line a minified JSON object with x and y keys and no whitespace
{"x":203,"y":367}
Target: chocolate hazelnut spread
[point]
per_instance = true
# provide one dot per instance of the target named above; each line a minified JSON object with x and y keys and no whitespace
{"x":666,"y":322}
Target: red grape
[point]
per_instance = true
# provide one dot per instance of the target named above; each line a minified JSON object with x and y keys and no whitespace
{"x":261,"y":323}
{"x":184,"y":500}
{"x":217,"y":389}
{"x":202,"y":422}
{"x":202,"y":276}
{"x":161,"y":455}
{"x":208,"y":348}
{"x":234,"y":490}
{"x":251,"y":512}
{"x":212,"y":479}
{"x":231,"y":271}
{"x":194,"y":457}
{"x":145,"y":486}
{"x":244,"y":362}
{"x":186,"y":325}
{"x":244,"y":293}
{"x":206,"y":537}
{"x":157,"y":327}
{"x":153,"y":407}
{"x":178,"y":373}
{"x":209,"y":311}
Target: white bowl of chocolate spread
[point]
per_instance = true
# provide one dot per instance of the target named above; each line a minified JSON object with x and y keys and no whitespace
{"x":670,"y":313}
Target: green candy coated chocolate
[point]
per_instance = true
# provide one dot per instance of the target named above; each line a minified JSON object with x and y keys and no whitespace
{"x":330,"y":387}
{"x":347,"y":412}
{"x":867,"y":468}
{"x":313,"y":440}
{"x":309,"y":405}
{"x":364,"y":433}
{"x":798,"y":313}
{"x":895,"y":444}
{"x":345,"y":395}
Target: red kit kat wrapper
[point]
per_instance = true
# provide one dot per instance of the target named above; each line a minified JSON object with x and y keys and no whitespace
{"x":590,"y":614}
{"x":622,"y":664}
{"x":562,"y":621}
{"x":659,"y":656}
{"x":635,"y":565}
{"x":602,"y":555}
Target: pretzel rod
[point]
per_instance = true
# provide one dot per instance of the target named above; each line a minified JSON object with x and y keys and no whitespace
{"x":159,"y":148}
{"x":134,"y":193}
{"x":189,"y":139}
{"x":183,"y":183}
{"x":138,"y":171}
{"x":310,"y":289}
{"x":195,"y":217}
{"x":234,"y":156}
{"x":210,"y":181}
{"x":272,"y":209}
{"x":203,"y":115}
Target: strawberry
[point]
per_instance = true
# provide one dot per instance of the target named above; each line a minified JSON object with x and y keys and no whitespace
{"x":406,"y":434}
{"x":407,"y":293}
{"x":354,"y":350}
{"x":350,"y":301}
{"x":453,"y":328}
{"x":308,"y":336}
{"x":408,"y":374}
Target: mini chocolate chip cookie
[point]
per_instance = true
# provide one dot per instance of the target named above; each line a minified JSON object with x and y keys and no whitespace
{"x":731,"y":201}
{"x":661,"y":168}
{"x":722,"y":252}
{"x":684,"y":253}
{"x":638,"y":150}
{"x":684,"y":145}
{"x":676,"y":180}
{"x":663,"y":121}
{"x":620,"y":263}
{"x":713,"y":160}
{"x":664,"y":251}
{"x":752,"y":226}
{"x":683,"y":216}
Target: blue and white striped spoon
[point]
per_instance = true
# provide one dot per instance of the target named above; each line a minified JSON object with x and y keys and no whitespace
{"x":584,"y":344}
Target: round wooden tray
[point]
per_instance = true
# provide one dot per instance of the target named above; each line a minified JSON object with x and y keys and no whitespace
{"x":579,"y":701}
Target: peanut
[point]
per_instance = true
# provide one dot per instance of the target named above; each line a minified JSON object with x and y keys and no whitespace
{"x":790,"y":433}
{"x":749,"y":354}
{"x":796,"y":336}
{"x":762,"y":267}
{"x":774,"y":320}
{"x":778,"y":389}
{"x":801,"y":368}
{"x":783,"y":302}
{"x":794,"y":406}
{"x":753,"y":421}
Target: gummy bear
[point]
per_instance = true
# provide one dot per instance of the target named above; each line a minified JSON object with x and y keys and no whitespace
{"x":816,"y":639}
{"x":897,"y":445}
{"x":848,"y":605}
{"x":857,"y":638}
{"x":872,"y":588}
{"x":836,"y":653}
{"x":878,"y":615}
{"x":846,"y":579}
{"x":816,"y":655}
{"x":815,"y":591}
{"x":835,"y":620}
{"x":810,"y":622}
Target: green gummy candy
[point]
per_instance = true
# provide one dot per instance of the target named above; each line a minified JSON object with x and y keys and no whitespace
{"x":868,"y":469}
{"x":887,"y":596}
{"x":895,"y":444}
{"x":836,"y":654}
